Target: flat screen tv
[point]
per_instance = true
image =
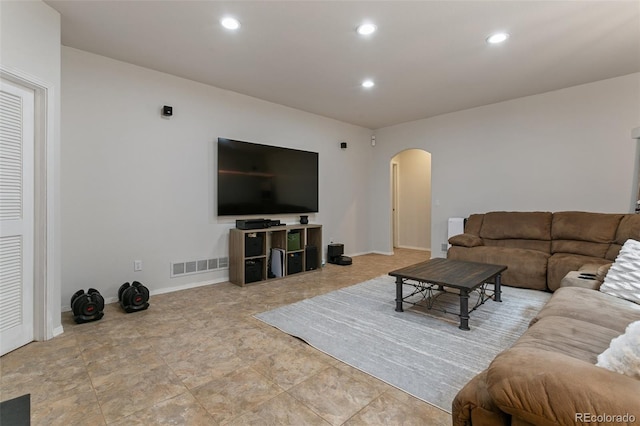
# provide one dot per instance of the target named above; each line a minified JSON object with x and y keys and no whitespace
{"x":255,"y":179}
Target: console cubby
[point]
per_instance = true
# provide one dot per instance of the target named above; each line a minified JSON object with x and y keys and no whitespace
{"x":249,"y":251}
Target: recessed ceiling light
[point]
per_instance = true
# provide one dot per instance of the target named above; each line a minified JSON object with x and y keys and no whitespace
{"x":230,"y":23}
{"x":366,"y":29}
{"x":368,"y":83}
{"x":497,"y":38}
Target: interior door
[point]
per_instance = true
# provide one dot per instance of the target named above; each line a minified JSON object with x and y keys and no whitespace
{"x":16,"y":215}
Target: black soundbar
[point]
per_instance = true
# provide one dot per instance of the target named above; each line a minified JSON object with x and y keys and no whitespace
{"x":256,"y":223}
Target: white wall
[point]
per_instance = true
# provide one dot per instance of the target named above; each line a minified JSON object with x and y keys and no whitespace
{"x":30,"y":49}
{"x":414,"y":199}
{"x":568,"y":149}
{"x":139,"y":186}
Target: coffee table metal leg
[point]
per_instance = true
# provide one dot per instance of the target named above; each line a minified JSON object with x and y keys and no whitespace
{"x":464,"y":310}
{"x":399,"y":295}
{"x":498,"y":290}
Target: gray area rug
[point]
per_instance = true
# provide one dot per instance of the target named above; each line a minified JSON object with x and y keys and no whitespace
{"x":421,"y":352}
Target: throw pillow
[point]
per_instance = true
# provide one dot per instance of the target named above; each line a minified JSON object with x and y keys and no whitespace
{"x":623,"y":354}
{"x":465,"y":240}
{"x":623,"y":278}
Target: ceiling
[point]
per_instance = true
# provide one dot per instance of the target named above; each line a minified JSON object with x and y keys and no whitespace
{"x":427,"y":57}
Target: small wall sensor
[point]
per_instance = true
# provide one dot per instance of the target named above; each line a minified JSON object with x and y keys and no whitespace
{"x":167,"y":111}
{"x":343,"y":145}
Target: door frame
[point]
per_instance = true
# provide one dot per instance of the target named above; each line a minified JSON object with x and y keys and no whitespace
{"x":395,"y":205}
{"x":44,"y":270}
{"x":395,"y":185}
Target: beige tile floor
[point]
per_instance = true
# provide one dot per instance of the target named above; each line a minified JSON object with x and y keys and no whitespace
{"x":198,"y":357}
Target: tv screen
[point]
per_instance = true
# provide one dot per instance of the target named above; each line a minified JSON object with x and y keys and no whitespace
{"x":256,"y":179}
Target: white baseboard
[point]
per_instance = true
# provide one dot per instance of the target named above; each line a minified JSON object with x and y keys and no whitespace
{"x":108,"y":300}
{"x":187,"y":286}
{"x":358,"y":254}
{"x":390,"y":253}
{"x":58,"y":331}
{"x":414,"y":248}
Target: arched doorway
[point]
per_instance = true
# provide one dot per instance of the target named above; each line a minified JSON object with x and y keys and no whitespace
{"x":411,"y":199}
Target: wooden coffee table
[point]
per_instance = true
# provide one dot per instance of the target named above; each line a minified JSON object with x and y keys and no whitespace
{"x":434,"y":276}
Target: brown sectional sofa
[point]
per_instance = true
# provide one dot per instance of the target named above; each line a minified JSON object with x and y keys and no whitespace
{"x":540,"y":248}
{"x":549,"y":376}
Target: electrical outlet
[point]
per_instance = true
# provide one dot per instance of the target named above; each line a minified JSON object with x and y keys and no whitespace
{"x":444,"y":247}
{"x":137,"y":265}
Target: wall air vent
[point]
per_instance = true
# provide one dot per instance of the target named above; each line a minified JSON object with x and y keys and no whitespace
{"x":199,"y":266}
{"x":190,"y":267}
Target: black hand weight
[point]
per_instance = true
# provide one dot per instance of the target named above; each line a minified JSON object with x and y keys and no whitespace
{"x":87,"y":306}
{"x":133,"y":297}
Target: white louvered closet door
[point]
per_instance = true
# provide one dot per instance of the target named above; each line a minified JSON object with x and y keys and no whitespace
{"x":16,"y":215}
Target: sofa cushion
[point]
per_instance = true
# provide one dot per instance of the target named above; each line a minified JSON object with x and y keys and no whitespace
{"x":585,"y":248}
{"x":590,"y":306}
{"x":585,"y":226}
{"x":573,"y":337}
{"x":473,"y":224}
{"x":613,"y":251}
{"x":523,"y":225}
{"x":623,"y":354}
{"x":540,"y":245}
{"x":525,"y":268}
{"x":561,"y":263}
{"x":465,"y":240}
{"x":623,"y":278}
{"x":629,"y":228}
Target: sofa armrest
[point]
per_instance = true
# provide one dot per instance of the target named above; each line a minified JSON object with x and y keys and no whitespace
{"x":473,"y":406}
{"x":550,"y":388}
{"x":590,"y":268}
{"x":574,"y":279}
{"x":598,"y":269}
{"x":466,"y":240}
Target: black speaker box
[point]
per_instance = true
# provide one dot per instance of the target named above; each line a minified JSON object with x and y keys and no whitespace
{"x":294,"y":263}
{"x":253,"y":245}
{"x":311,"y":258}
{"x":253,"y":270}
